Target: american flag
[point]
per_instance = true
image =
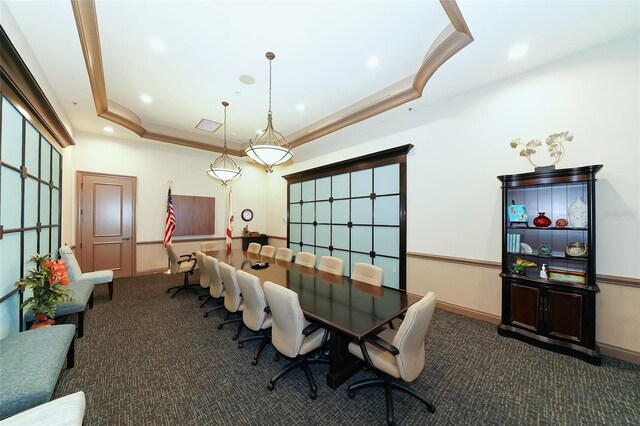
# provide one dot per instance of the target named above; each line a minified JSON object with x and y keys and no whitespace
{"x":229,"y":222}
{"x":170,"y":222}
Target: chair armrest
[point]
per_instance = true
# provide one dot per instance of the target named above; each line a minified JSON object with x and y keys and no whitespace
{"x":186,"y":255}
{"x":311,"y":328}
{"x":382,"y":344}
{"x":186,"y":260}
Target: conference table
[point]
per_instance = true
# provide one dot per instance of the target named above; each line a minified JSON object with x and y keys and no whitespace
{"x":349,"y":309}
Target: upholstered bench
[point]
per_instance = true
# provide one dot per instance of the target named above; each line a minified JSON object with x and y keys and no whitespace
{"x":82,"y":293}
{"x":31,"y":364}
{"x":65,"y":411}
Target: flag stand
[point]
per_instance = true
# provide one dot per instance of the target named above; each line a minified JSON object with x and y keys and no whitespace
{"x":169,"y":226}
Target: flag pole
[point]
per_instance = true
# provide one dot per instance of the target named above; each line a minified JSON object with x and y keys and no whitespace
{"x":168,"y":271}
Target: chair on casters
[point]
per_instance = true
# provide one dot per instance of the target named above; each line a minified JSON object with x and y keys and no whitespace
{"x":292,"y":335}
{"x":256,"y":314}
{"x":216,"y":289}
{"x":75,"y":274}
{"x":205,"y":279}
{"x":184,"y":264}
{"x":268,"y":251}
{"x":284,"y":253}
{"x":397,"y":354}
{"x":332,"y":265}
{"x":233,"y":301}
{"x":367,"y":273}
{"x":254,"y":248}
{"x":210,"y":246}
{"x":306,"y":259}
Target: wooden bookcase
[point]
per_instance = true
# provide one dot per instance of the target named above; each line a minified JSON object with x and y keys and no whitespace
{"x":557,"y":313}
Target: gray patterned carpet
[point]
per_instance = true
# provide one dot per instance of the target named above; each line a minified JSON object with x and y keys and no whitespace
{"x":147,"y":359}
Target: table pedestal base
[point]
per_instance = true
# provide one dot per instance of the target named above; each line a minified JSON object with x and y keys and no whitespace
{"x":342,"y":364}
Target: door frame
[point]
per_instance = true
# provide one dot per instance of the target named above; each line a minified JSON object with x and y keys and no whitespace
{"x":134,"y":243}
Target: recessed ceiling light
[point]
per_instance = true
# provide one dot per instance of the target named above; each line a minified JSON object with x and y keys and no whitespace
{"x":373,"y":61}
{"x":146,"y":98}
{"x":156,"y":45}
{"x":300,"y":107}
{"x":247,"y":79}
{"x":108,"y":129}
{"x":208,"y":125}
{"x":518,"y":51}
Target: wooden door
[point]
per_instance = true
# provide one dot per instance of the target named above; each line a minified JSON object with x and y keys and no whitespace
{"x":106,"y":223}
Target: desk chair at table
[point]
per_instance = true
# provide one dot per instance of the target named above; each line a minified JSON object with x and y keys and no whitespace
{"x":397,"y":354}
{"x":306,"y":259}
{"x":254,"y":248}
{"x":184,"y":264}
{"x":233,"y":301}
{"x":256,"y":314}
{"x":284,"y":253}
{"x":268,"y":251}
{"x":332,"y":265}
{"x":216,"y":289}
{"x":205,"y":279}
{"x":367,"y":273}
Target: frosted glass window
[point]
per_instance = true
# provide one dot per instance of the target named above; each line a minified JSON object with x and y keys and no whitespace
{"x":295,"y":248}
{"x":45,"y":161}
{"x":32,"y":146}
{"x":10,"y":207}
{"x":308,"y":234}
{"x":386,"y":240}
{"x":386,"y":179}
{"x":361,"y":183}
{"x":361,"y":211}
{"x":323,"y":235}
{"x":344,"y":255}
{"x":357,"y":257}
{"x":340,"y":186}
{"x":308,"y":190}
{"x":321,"y":252}
{"x":55,"y":246}
{"x":30,"y":248}
{"x":295,"y":213}
{"x":31,"y":202}
{"x":11,"y":135}
{"x":361,"y":237}
{"x":340,"y":211}
{"x":44,"y":241}
{"x":323,"y":212}
{"x":294,"y":192}
{"x":323,"y":188}
{"x":308,"y":214}
{"x":308,"y":249}
{"x":9,"y":261}
{"x":55,"y":204}
{"x":391,"y":268}
{"x":340,"y":237}
{"x":55,"y":177}
{"x":294,"y":233}
{"x":387,"y":210}
{"x":45,"y":207}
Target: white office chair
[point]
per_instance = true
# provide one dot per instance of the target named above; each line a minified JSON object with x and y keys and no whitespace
{"x":255,"y":314}
{"x":332,"y":265}
{"x":205,"y":279}
{"x":254,"y":248}
{"x":268,"y":251}
{"x":183,"y":264}
{"x":397,"y":354}
{"x":233,"y":302}
{"x":216,"y":288}
{"x":284,"y":253}
{"x":292,"y":335}
{"x":306,"y":259}
{"x":367,"y":273}
{"x":75,"y":274}
{"x":210,"y":246}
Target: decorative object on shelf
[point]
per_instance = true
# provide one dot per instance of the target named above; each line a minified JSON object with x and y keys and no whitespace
{"x":562,"y":222}
{"x":245,"y":231}
{"x":568,"y":276}
{"x":526,"y":248}
{"x":224,"y":169}
{"x":270,"y":148}
{"x":246,"y":215}
{"x":576,"y":249}
{"x":541,"y":221}
{"x":543,"y":272}
{"x":544,"y":249}
{"x":517,"y":213}
{"x":513,"y":243}
{"x":554,"y":145}
{"x":49,"y":282}
{"x":520,"y":265}
{"x":577,"y":213}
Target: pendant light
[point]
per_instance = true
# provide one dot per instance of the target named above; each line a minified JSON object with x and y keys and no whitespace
{"x":224,"y":169}
{"x":270,"y":147}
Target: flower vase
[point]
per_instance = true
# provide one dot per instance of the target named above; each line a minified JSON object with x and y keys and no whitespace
{"x":541,"y":221}
{"x":42,"y":320}
{"x":577,"y":213}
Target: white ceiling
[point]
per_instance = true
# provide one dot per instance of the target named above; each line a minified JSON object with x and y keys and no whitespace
{"x":188,"y":55}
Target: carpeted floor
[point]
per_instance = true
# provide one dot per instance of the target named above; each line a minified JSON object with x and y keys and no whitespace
{"x":147,"y":359}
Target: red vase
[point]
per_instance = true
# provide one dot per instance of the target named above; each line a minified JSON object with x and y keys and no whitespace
{"x":42,"y":320}
{"x":541,"y":221}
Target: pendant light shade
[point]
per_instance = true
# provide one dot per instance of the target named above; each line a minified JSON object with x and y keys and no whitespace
{"x":270,"y":148}
{"x":224,"y":169}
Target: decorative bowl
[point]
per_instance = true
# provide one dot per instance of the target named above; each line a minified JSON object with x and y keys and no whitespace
{"x":576,"y":249}
{"x":561,"y":223}
{"x":544,"y":249}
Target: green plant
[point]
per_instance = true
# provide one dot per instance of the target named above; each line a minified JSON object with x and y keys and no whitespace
{"x":49,"y":283}
{"x":520,"y":265}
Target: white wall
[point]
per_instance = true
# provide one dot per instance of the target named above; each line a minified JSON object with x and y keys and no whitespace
{"x":461,"y":145}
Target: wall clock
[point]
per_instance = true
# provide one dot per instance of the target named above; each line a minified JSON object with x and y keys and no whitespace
{"x":246,"y":215}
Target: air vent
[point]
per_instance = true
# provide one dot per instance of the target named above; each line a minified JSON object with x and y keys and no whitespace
{"x":208,"y":125}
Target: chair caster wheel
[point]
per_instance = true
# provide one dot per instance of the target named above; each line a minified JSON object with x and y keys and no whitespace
{"x":173,"y":295}
{"x":254,"y":362}
{"x":168,"y":291}
{"x":270,"y":386}
{"x":351,"y":394}
{"x":220,"y":327}
{"x":206,"y":314}
{"x":240,"y":345}
{"x":235,"y":337}
{"x":431,"y":409}
{"x":313,"y":394}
